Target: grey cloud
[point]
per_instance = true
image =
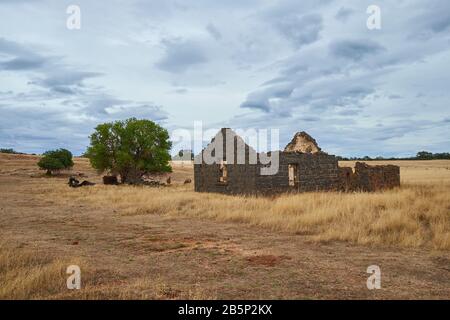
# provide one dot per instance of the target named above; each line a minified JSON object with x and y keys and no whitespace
{"x":28,"y":128}
{"x":22,"y":64}
{"x":59,"y":99}
{"x":346,"y":136}
{"x":301,"y":30}
{"x":355,"y":49}
{"x":180,"y":55}
{"x":344,"y":14}
{"x":147,"y":111}
{"x":105,"y":106}
{"x":68,"y":78}
{"x":260,"y":99}
{"x":279,"y":9}
{"x":64,"y":90}
{"x":53,"y":74}
{"x":18,"y":57}
{"x":435,"y":18}
{"x":65,"y":81}
{"x":19,"y":1}
{"x":27,"y":124}
{"x":98,"y":104}
{"x":310,"y":119}
{"x":314,"y":90}
{"x":180,"y":91}
{"x":13,"y":48}
{"x":213,"y":31}
{"x":345,"y":95}
{"x":442,"y":22}
{"x":253,"y":104}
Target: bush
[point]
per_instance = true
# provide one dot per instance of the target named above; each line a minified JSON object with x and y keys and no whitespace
{"x":56,"y":160}
{"x":130,"y":148}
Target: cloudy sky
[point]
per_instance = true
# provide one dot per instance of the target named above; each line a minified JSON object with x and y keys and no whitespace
{"x":310,"y":65}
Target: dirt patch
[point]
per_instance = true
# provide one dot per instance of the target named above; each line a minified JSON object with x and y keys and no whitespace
{"x":267,"y":260}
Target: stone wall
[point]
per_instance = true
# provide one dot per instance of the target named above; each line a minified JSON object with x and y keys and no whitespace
{"x":241,"y":175}
{"x":240,"y":178}
{"x":369,"y":178}
{"x":348,"y":180}
{"x":372,"y":178}
{"x":316,"y":171}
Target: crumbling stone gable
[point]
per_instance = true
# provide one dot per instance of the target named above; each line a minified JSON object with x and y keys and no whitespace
{"x":241,"y":177}
{"x":302,"y":142}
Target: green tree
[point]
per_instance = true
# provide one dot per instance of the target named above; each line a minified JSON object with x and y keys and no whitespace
{"x":55,"y":160}
{"x":130,"y":148}
{"x":424,"y":155}
{"x":9,"y":150}
{"x":185,"y":155}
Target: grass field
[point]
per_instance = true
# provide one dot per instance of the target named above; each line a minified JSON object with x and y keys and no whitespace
{"x":143,"y":242}
{"x":417,"y":214}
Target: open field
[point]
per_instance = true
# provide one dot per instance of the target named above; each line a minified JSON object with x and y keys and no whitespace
{"x":173,"y":243}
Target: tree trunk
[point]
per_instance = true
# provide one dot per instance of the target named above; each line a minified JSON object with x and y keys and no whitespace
{"x":131,"y":177}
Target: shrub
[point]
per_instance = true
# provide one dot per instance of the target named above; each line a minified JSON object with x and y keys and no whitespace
{"x":55,"y":160}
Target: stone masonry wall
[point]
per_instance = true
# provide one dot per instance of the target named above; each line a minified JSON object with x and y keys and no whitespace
{"x":372,"y":178}
{"x":369,"y":178}
{"x":241,"y":178}
{"x":348,"y":180}
{"x":317,"y":171}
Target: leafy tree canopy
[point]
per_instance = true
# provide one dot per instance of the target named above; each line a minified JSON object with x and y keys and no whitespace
{"x":130,"y":148}
{"x":55,"y":160}
{"x":425,"y":155}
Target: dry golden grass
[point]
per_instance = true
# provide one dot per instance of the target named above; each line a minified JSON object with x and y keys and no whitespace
{"x":415,"y":215}
{"x":26,"y":274}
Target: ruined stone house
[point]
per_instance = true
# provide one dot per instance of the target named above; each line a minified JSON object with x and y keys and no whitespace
{"x":229,"y":165}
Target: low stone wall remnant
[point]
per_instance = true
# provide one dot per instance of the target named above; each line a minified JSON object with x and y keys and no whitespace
{"x":369,"y":178}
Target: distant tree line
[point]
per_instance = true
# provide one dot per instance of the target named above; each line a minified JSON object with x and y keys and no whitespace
{"x":9,"y":150}
{"x":422,"y":155}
